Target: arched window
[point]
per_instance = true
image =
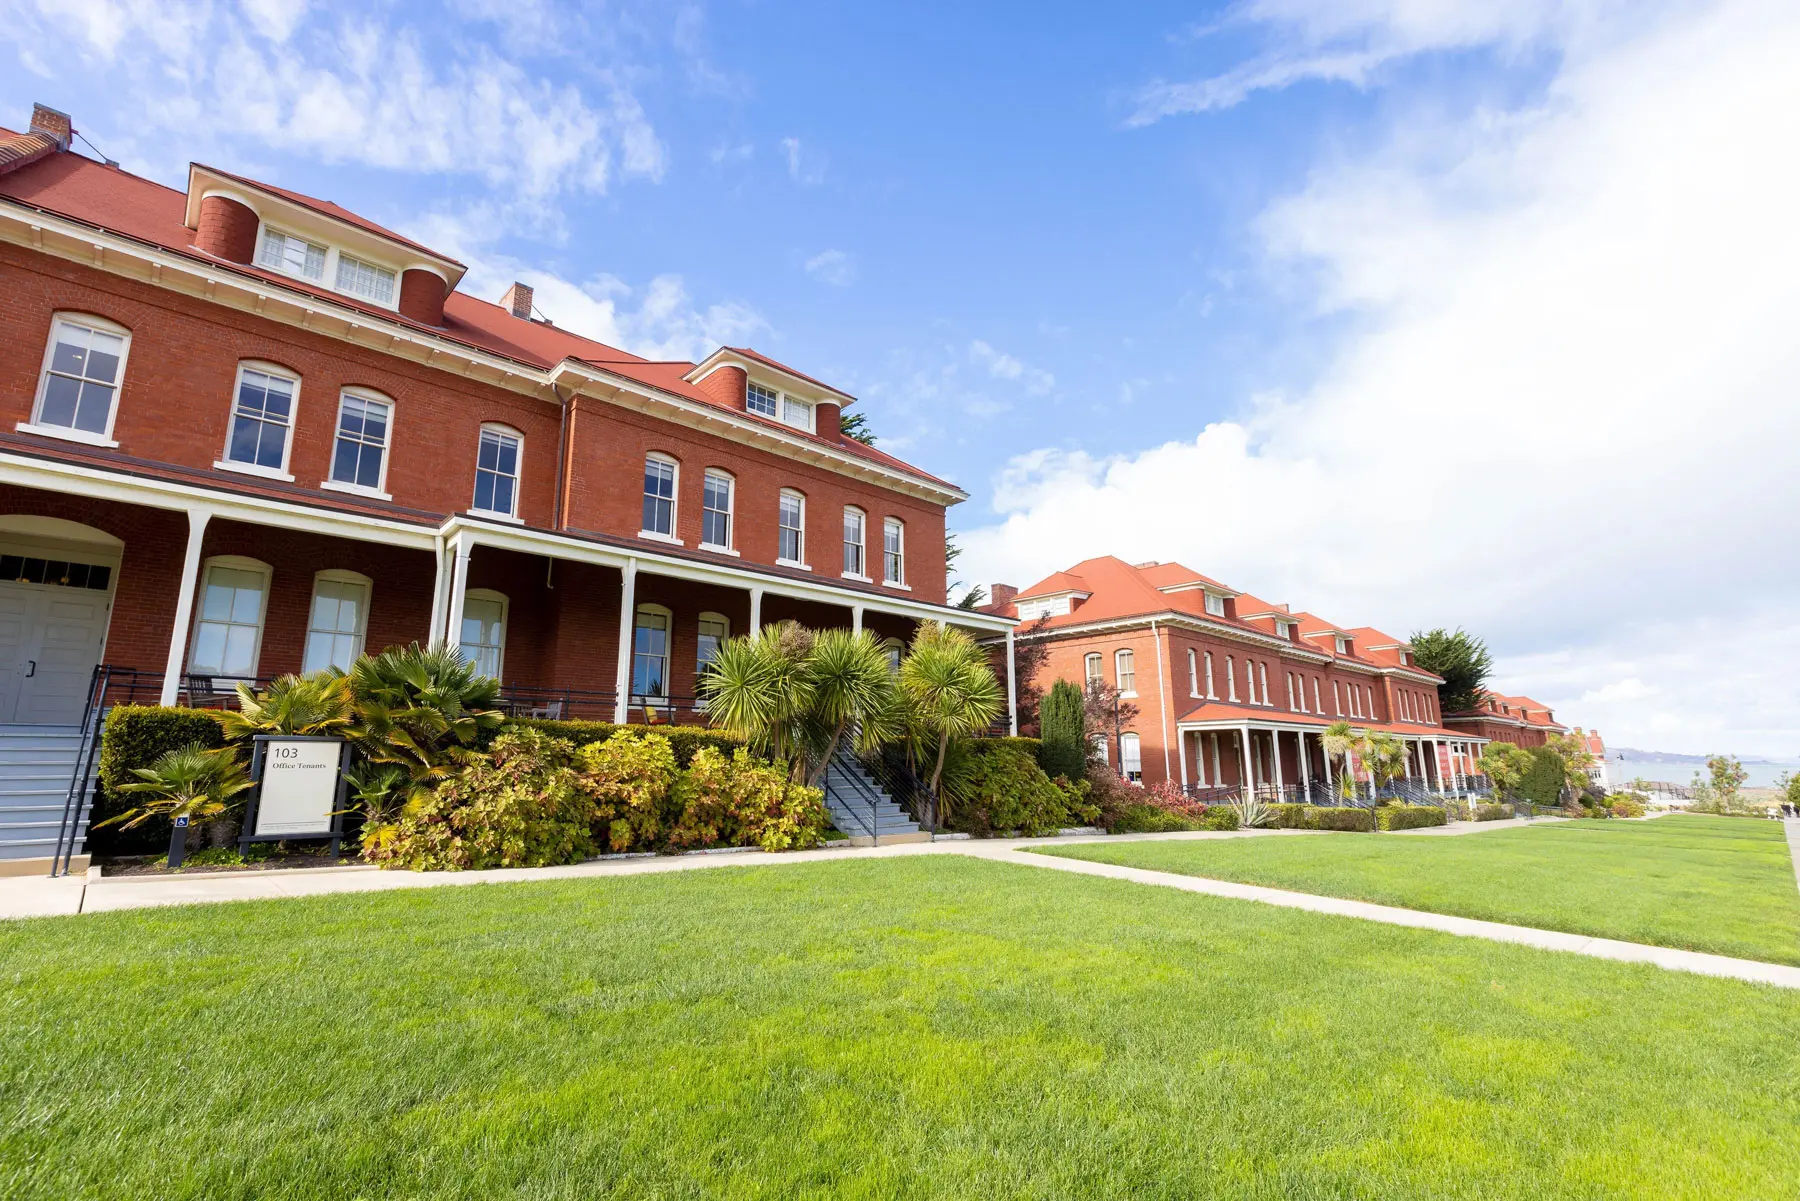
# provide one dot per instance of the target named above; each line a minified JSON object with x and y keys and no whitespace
{"x":1211,"y":695}
{"x":650,"y":654}
{"x":1193,"y":673}
{"x":1091,"y":665}
{"x":1262,"y":678}
{"x":714,"y":629}
{"x":228,"y":622}
{"x":482,"y":638}
{"x":1290,"y":689}
{"x":84,"y":365}
{"x":359,"y":458}
{"x":338,"y":620}
{"x":498,"y":461}
{"x":264,"y":406}
{"x":1318,"y":705}
{"x":1131,"y":761}
{"x":1125,"y":672}
{"x":856,"y":525}
{"x":893,"y":551}
{"x":896,"y":651}
{"x":791,"y":529}
{"x":1337,"y":700}
{"x":718,"y":494}
{"x":1230,"y":679}
{"x":660,"y":473}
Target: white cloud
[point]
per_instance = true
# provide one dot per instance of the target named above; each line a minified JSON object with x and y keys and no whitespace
{"x":343,"y":86}
{"x":805,"y":167}
{"x":999,"y":365}
{"x":1566,"y":416}
{"x":832,"y":267}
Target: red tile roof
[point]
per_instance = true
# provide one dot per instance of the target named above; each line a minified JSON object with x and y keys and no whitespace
{"x":330,"y":209}
{"x":17,"y":149}
{"x":765,"y":359}
{"x":75,"y":187}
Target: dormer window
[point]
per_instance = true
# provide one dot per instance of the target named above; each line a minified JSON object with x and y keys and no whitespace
{"x":1343,"y":645}
{"x":789,"y":410}
{"x":1215,"y":605}
{"x":1285,"y":629}
{"x":357,"y":278}
{"x":291,"y":255}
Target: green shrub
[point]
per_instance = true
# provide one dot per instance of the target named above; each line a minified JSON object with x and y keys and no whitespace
{"x":1005,"y":790}
{"x":1339,"y":817}
{"x":1493,"y":813}
{"x":1629,"y":804}
{"x":743,"y":801}
{"x":683,"y":740}
{"x":1062,"y":718}
{"x":1543,"y":781}
{"x":631,"y":780}
{"x":520,"y":805}
{"x":1220,"y":817}
{"x":1150,"y":819}
{"x":136,"y":736}
{"x":1408,"y":817}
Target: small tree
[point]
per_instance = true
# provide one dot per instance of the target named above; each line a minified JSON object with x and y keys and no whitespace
{"x":1725,"y":777}
{"x":1505,"y":765}
{"x":1385,"y":757}
{"x":1339,"y":741}
{"x":1461,"y":658}
{"x":1571,"y":751}
{"x":950,"y":691}
{"x":1063,"y":728}
{"x":1107,"y":713}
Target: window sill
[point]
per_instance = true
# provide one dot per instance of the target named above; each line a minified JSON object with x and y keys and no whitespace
{"x":354,"y":490}
{"x":1126,"y":696}
{"x":66,"y":434}
{"x":860,"y":579}
{"x":796,"y":564}
{"x":267,"y":473}
{"x":653,"y":536}
{"x":508,"y":518}
{"x":720,"y":550}
{"x":893,"y":584}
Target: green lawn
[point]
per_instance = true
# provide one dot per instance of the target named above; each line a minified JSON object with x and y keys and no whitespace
{"x":922,"y":1027}
{"x":1724,"y":885}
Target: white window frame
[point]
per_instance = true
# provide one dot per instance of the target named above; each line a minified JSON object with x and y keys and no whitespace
{"x":708,"y":476}
{"x":1262,"y":676}
{"x":793,"y":494}
{"x":643,"y":700}
{"x":1210,"y":694}
{"x":699,"y":631}
{"x":1125,"y":671}
{"x":1215,"y":605}
{"x":674,"y":466}
{"x":785,"y":405}
{"x":1290,"y":689}
{"x":518,"y":436}
{"x":1093,"y":667}
{"x":326,"y":262}
{"x":1337,"y":700}
{"x":861,"y":574}
{"x":893,"y":581}
{"x":1318,"y":702}
{"x":1131,"y":751}
{"x":329,"y":267}
{"x":366,"y":396}
{"x":274,"y":371}
{"x":361,"y":633}
{"x":69,"y":433}
{"x":229,"y":563}
{"x":1193,"y":673}
{"x":337,"y":280}
{"x":1231,"y":680}
{"x":751,"y":388}
{"x":488,"y":594}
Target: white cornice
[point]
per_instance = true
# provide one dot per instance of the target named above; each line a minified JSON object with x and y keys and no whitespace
{"x":1187,"y":621}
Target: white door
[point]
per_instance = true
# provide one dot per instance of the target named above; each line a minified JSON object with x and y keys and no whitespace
{"x":50,"y":639}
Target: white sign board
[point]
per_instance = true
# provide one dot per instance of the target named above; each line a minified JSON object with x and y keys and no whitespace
{"x":299,"y":787}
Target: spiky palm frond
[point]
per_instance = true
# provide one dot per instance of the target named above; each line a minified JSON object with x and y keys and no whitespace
{"x":951,"y":688}
{"x":191,"y":781}
{"x":419,"y":708}
{"x":312,"y":704}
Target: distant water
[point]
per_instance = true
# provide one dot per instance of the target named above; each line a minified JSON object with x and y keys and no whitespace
{"x":1761,"y":775}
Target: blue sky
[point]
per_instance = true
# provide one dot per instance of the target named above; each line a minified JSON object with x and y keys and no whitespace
{"x":1410,"y":314}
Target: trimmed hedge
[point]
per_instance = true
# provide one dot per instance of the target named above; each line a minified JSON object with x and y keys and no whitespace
{"x":1220,"y":817}
{"x":1408,"y":817}
{"x":683,"y":740}
{"x":1294,"y":816}
{"x":1149,"y":819}
{"x":135,"y":735}
{"x":1031,"y":746}
{"x":1493,"y":813}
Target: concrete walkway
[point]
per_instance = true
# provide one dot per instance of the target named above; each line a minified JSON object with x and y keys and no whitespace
{"x":1793,"y":833}
{"x":34,"y":896}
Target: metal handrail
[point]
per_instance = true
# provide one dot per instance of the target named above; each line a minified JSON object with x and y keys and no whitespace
{"x":900,"y":782}
{"x":92,"y":715}
{"x":846,"y":762}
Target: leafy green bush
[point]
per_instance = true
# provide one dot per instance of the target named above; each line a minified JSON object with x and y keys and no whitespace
{"x":740,"y":801}
{"x":1629,"y":804}
{"x":1340,"y":817}
{"x":1062,"y":718}
{"x":1543,"y":781}
{"x":1407,"y":817}
{"x":631,"y":780}
{"x":1220,"y":817}
{"x":683,"y":740}
{"x":1005,"y":790}
{"x":1493,"y":813}
{"x":520,"y":805}
{"x":136,"y":736}
{"x":1151,"y":819}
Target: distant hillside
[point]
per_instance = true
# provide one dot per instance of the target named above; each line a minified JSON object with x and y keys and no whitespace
{"x":1632,"y":753}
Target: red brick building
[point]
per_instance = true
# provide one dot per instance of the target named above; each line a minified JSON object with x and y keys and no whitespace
{"x":1231,"y":689}
{"x":1515,"y":719}
{"x":248,"y":432}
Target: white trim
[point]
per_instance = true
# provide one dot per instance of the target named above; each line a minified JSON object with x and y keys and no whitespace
{"x":328,"y":270}
{"x":366,"y":396}
{"x":898,"y":581}
{"x":862,"y":542}
{"x":730,"y":479}
{"x":267,"y":473}
{"x":354,"y":490}
{"x":454,"y":636}
{"x":273,"y":371}
{"x":667,"y":539}
{"x":781,"y":530}
{"x":337,"y":575}
{"x":65,"y":434}
{"x":96,"y":324}
{"x":518,"y":477}
{"x":668,"y":655}
{"x":860,"y":579}
{"x":674,"y":465}
{"x":229,"y":563}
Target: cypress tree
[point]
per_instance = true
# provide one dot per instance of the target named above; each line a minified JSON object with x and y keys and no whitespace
{"x":1063,"y":725}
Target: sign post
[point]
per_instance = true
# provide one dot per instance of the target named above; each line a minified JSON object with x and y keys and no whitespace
{"x":298,"y":786}
{"x":178,"y":842}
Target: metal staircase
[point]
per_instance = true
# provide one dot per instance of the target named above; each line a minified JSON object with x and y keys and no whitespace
{"x":862,"y":808}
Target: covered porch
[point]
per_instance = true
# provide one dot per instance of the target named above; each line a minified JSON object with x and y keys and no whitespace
{"x":1283,"y":759}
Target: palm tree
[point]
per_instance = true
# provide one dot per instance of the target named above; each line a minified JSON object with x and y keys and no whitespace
{"x":1385,"y":757}
{"x":189,"y":781}
{"x":313,"y":704}
{"x":950,"y":689}
{"x":853,"y":692}
{"x":1339,"y":741}
{"x":420,"y":709}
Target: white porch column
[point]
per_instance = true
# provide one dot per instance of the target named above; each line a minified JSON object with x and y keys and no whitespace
{"x":1305,"y":768}
{"x":1406,"y":763}
{"x":1181,"y":741}
{"x":1248,"y":779}
{"x":856,"y":612}
{"x":755,"y":611}
{"x":1275,"y":742}
{"x":437,"y":592}
{"x":1012,"y":692}
{"x":459,"y":584}
{"x":1218,"y":762}
{"x":184,"y":603}
{"x":627,"y":626}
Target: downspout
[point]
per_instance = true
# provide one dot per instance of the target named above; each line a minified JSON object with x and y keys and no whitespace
{"x":562,"y":456}
{"x":1162,"y":702}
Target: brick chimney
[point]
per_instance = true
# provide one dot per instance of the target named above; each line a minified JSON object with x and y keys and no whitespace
{"x":1001,"y":594}
{"x":53,"y":125}
{"x":517,"y":301}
